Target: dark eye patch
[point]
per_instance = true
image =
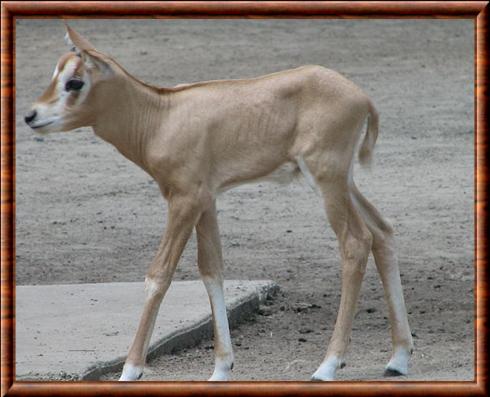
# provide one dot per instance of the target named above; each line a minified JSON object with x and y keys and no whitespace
{"x":74,"y":85}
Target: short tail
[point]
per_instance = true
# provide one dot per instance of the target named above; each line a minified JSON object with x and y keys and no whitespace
{"x":367,"y":146}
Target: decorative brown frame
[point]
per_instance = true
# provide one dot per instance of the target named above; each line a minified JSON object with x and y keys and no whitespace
{"x":476,"y":10}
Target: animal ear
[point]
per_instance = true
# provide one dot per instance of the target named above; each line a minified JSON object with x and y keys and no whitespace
{"x":91,"y":57}
{"x":96,"y":60}
{"x":77,"y":41}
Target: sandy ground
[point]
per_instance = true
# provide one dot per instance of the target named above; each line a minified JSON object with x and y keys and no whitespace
{"x":86,"y":214}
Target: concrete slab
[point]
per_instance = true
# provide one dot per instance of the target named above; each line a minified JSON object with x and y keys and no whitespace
{"x":81,"y":331}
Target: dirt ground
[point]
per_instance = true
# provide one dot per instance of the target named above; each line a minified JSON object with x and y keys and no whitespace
{"x":86,"y":214}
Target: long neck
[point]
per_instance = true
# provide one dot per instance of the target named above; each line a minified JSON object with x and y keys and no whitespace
{"x":129,"y":113}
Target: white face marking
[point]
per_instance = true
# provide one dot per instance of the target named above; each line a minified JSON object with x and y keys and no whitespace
{"x":64,"y":77}
{"x":54,"y":113}
{"x":55,"y":72}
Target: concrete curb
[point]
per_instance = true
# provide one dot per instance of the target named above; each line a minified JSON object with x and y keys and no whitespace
{"x":190,"y":336}
{"x":39,"y":308}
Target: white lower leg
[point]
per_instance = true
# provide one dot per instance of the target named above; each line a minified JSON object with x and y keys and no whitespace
{"x":222,"y":341}
{"x":352,"y":275}
{"x":326,"y":371}
{"x":131,"y":372}
{"x":398,"y":365}
{"x":402,"y":338}
{"x":222,"y":371}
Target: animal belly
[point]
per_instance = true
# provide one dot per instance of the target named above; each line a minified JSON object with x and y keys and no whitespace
{"x":283,"y":175}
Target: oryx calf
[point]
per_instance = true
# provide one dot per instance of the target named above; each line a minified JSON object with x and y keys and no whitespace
{"x":197,"y":140}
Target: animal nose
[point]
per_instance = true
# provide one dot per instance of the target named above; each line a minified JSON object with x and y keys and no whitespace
{"x":31,"y":116}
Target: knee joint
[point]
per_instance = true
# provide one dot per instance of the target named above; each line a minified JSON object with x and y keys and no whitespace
{"x":357,"y":248}
{"x":153,"y":287}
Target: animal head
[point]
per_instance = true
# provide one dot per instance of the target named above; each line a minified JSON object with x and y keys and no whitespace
{"x":70,"y":99}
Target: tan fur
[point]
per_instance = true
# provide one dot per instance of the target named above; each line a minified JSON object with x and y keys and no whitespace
{"x":197,"y":140}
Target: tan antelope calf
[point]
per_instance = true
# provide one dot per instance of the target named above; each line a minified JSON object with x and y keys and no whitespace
{"x":197,"y":140}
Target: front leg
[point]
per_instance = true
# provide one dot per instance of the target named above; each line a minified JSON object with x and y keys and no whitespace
{"x":183,"y":213}
{"x":210,"y":262}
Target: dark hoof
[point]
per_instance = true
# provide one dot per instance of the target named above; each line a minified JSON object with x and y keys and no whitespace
{"x":313,"y":379}
{"x":392,"y":372}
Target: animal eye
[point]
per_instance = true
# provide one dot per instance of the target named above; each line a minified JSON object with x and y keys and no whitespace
{"x":74,"y":85}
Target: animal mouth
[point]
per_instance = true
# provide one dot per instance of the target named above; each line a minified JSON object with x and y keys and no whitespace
{"x":41,"y":125}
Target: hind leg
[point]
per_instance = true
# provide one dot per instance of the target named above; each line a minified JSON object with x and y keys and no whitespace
{"x":355,"y":242}
{"x":210,"y":262}
{"x":386,"y":263}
